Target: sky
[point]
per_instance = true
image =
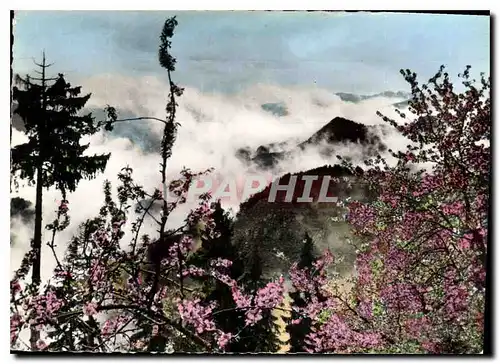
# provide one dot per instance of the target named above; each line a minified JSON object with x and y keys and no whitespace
{"x":228,"y":51}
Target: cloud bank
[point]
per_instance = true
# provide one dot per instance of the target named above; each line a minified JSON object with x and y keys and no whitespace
{"x":213,"y":127}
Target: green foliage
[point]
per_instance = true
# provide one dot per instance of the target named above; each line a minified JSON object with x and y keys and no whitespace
{"x":378,"y":308}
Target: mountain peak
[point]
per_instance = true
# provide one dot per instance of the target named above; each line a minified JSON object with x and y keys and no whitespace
{"x":340,"y":130}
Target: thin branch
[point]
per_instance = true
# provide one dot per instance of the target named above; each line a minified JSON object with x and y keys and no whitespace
{"x":141,"y":118}
{"x":166,"y":320}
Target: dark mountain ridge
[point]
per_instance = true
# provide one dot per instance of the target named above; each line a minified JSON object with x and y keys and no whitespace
{"x":276,"y":229}
{"x":338,"y":131}
{"x":340,"y":177}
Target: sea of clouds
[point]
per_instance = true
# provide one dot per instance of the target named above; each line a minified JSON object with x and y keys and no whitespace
{"x":213,"y":127}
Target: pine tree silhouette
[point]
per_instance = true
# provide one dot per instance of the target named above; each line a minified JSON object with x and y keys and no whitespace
{"x":53,"y":155}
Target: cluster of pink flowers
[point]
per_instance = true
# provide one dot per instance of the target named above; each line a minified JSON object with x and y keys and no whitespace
{"x":271,"y":295}
{"x":97,"y":273}
{"x":90,"y":308}
{"x":301,"y":279}
{"x":434,"y":213}
{"x":63,"y":274}
{"x":16,"y":323}
{"x":224,"y":278}
{"x":401,"y":297}
{"x":242,"y":300}
{"x":361,"y":216}
{"x":335,"y":335}
{"x":391,"y":199}
{"x":223,"y":338}
{"x":117,"y":225}
{"x":112,"y":325}
{"x":456,"y":296}
{"x":63,"y":207}
{"x":45,"y":307}
{"x":422,"y":225}
{"x":454,"y":208}
{"x":183,"y":247}
{"x":194,"y":271}
{"x":418,"y":327}
{"x":15,"y":287}
{"x":193,"y":313}
{"x":41,"y":345}
{"x":465,"y":241}
{"x":219,"y":262}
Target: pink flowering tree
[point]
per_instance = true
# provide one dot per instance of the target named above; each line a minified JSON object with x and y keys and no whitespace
{"x":421,"y":263}
{"x":98,"y":299}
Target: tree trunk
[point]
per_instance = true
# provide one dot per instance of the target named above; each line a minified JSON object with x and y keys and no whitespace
{"x":37,"y":248}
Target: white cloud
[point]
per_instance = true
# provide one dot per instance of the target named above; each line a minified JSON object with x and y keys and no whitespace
{"x":213,"y":127}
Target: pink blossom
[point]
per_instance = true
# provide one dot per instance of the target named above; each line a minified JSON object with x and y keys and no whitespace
{"x":365,"y":308}
{"x":108,"y":327}
{"x":41,"y":345}
{"x":155,"y":330}
{"x":241,"y":300}
{"x":192,"y":312}
{"x":63,"y":274}
{"x":271,"y":295}
{"x":113,"y":324}
{"x":46,"y":306}
{"x":417,"y":327}
{"x":219,"y":262}
{"x":465,"y":242}
{"x":455,"y":299}
{"x":90,"y":308}
{"x":453,"y":208}
{"x":101,"y":237}
{"x":97,"y":272}
{"x":223,"y":339}
{"x":430,"y":347}
{"x":16,"y":323}
{"x":410,"y":157}
{"x":335,"y":335}
{"x":252,"y":316}
{"x":401,"y":297}
{"x":193,"y":271}
{"x":15,"y":287}
{"x":63,"y":207}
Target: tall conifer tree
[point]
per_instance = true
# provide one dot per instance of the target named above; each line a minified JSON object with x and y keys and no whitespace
{"x":53,"y":155}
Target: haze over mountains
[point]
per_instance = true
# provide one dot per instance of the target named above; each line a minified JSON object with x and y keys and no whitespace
{"x":214,"y":128}
{"x":339,"y":131}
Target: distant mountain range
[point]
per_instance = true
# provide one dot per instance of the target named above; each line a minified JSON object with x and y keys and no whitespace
{"x":344,"y":96}
{"x":338,"y":131}
{"x":149,"y":143}
{"x":280,"y":108}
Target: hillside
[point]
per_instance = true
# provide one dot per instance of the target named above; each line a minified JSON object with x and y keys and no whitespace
{"x":276,"y":229}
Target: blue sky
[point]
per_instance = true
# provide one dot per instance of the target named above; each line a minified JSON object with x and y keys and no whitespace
{"x":227,"y":51}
